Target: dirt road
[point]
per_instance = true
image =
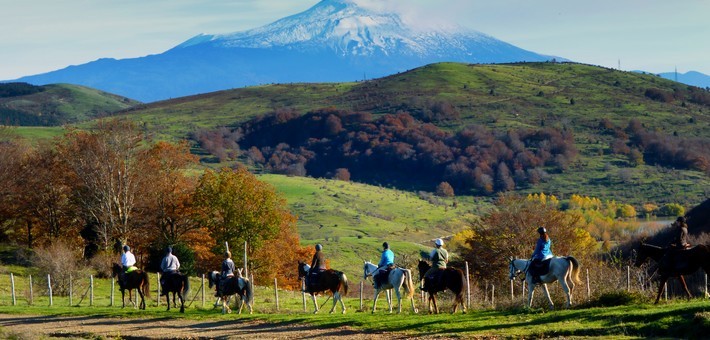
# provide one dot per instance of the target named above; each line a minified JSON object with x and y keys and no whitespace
{"x":90,"y":327}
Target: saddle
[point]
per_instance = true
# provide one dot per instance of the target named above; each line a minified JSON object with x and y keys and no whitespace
{"x":434,"y":280}
{"x":539,"y":268}
{"x":381,"y":276}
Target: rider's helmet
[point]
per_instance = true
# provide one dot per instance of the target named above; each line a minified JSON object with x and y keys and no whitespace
{"x":126,"y":248}
{"x":385,"y":245}
{"x":169,"y":249}
{"x":681,"y":219}
{"x":542,"y":230}
{"x":319,"y":247}
{"x":439,"y":242}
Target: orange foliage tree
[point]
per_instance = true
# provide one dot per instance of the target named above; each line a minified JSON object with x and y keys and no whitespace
{"x":236,"y":207}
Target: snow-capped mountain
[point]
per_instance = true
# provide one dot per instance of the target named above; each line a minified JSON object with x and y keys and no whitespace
{"x":335,"y":40}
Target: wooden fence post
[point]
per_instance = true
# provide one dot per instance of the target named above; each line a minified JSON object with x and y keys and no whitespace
{"x":276,"y":293}
{"x":512,"y":290}
{"x":361,"y":288}
{"x":253,"y":285}
{"x":589,"y":288}
{"x":91,"y":290}
{"x":628,"y":278}
{"x":665,"y":289}
{"x":113,"y":286}
{"x":12,"y":284}
{"x":203,"y":290}
{"x":468,"y":288}
{"x":71,"y":289}
{"x":31,"y":292}
{"x":49,"y":287}
{"x":493,"y":296}
{"x":158,"y":285}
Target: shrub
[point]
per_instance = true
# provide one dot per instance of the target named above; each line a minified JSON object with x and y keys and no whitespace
{"x":62,"y":263}
{"x":671,"y":209}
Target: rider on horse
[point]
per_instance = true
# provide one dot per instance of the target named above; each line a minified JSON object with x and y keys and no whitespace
{"x":542,"y":252}
{"x":228,"y":269}
{"x":682,"y":239}
{"x":128,"y":261}
{"x":439,"y":258}
{"x":386,"y":264}
{"x":317,"y":266}
{"x":170,"y":265}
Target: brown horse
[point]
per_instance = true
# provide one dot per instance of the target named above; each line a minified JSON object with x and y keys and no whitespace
{"x":176,"y":283}
{"x":449,"y":278}
{"x":675,"y":262}
{"x":137,"y":279}
{"x":327,"y":280}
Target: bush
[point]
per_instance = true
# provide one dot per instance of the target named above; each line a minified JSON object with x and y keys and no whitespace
{"x":616,"y":298}
{"x":671,"y":209}
{"x":62,"y":263}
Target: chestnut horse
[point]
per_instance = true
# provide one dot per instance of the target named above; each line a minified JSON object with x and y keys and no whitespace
{"x":449,"y":278}
{"x":136,"y":279}
{"x":327,"y":280}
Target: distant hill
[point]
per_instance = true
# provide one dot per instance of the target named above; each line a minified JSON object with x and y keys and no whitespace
{"x":691,"y":78}
{"x":22,"y":104}
{"x":335,"y":40}
{"x":594,"y":104}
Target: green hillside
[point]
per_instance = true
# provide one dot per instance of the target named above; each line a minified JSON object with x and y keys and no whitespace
{"x":563,"y":96}
{"x":352,"y":220}
{"x":499,"y":96}
{"x":53,"y":105}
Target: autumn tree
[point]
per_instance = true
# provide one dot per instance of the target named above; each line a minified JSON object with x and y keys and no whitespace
{"x":109,"y":176}
{"x":510,"y":230}
{"x":236,"y":207}
{"x":444,"y":189}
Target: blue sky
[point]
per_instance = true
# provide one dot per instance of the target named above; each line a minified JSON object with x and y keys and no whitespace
{"x":653,"y":35}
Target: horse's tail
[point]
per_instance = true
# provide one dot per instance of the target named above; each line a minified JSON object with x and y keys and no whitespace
{"x":462,"y":281}
{"x":575,"y":269}
{"x":344,"y":281}
{"x":408,"y":283}
{"x":146,"y":284}
{"x":249,"y":295}
{"x":186,"y":284}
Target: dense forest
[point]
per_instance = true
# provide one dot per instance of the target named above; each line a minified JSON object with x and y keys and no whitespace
{"x":394,"y":150}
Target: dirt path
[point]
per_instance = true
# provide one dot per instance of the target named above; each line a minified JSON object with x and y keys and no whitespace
{"x":35,"y":327}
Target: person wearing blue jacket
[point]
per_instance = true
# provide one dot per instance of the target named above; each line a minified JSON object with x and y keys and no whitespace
{"x":385,"y":265}
{"x":543,"y":251}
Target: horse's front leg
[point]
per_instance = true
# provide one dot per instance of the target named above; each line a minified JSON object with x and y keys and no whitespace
{"x":436,"y":306}
{"x":389,"y":298}
{"x":123,"y":298}
{"x":661,"y":286}
{"x":167,"y":300}
{"x":547,"y":294}
{"x":315,"y":302}
{"x":531,"y":290}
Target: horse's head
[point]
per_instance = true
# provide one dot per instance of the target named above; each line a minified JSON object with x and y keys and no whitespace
{"x":368,"y":269}
{"x":423,"y":267}
{"x":116,"y":269}
{"x":303,"y":269}
{"x":213,"y":278}
{"x":642,"y":254}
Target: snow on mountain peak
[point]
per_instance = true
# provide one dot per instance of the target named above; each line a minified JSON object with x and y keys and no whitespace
{"x":348,"y":29}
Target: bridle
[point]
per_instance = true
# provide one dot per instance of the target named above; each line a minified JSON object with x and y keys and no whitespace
{"x":515,"y":272}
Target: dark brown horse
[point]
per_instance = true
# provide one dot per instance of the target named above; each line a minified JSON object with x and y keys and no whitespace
{"x":675,"y":262}
{"x":234,"y":285}
{"x":327,"y":280}
{"x":176,"y":283}
{"x":136,"y":279}
{"x":449,"y":278}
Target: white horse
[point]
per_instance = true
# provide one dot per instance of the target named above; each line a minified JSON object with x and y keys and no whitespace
{"x":397,"y":278}
{"x":561,"y":269}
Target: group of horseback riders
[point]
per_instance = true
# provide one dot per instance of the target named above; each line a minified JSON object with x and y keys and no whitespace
{"x":439,"y":258}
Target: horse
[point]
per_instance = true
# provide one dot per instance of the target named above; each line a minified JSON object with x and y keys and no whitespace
{"x":137,"y":279}
{"x":328,"y":280}
{"x":397,"y":278}
{"x":451,"y":278}
{"x":561,"y":269}
{"x":675,"y":262}
{"x":176,"y":283}
{"x":234,"y":285}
